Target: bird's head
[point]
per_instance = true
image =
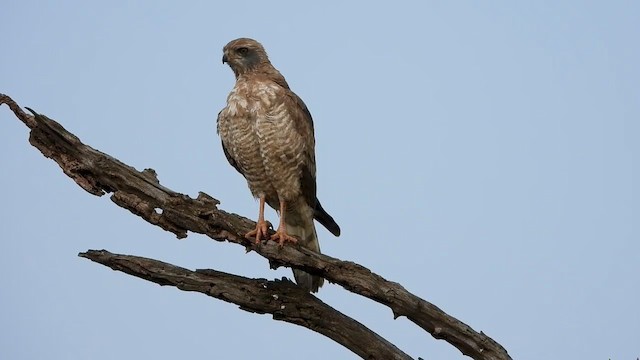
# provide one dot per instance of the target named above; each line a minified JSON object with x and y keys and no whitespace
{"x":244,"y":55}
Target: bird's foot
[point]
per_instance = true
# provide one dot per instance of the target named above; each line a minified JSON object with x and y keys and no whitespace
{"x":261,"y":231}
{"x":282,"y":237}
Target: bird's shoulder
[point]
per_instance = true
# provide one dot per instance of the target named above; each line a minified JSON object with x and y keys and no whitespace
{"x":268,"y":91}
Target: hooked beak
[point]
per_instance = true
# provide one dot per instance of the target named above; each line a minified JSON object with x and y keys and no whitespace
{"x":225,"y":59}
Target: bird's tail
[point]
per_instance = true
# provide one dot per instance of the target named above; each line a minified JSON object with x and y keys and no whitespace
{"x":325,"y":219}
{"x":305,"y":231}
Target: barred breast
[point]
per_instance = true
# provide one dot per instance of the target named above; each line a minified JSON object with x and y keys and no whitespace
{"x":282,"y":150}
{"x":237,"y":129}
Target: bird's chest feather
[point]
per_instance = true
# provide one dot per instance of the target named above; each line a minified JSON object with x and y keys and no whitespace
{"x":254,"y":112}
{"x":259,"y":130}
{"x":251,"y":101}
{"x":245,"y":124}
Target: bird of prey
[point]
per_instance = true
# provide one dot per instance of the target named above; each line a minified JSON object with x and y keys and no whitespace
{"x":267,"y":135}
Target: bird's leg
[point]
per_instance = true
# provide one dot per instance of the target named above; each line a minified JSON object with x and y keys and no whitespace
{"x":262,"y":228}
{"x":281,"y":235}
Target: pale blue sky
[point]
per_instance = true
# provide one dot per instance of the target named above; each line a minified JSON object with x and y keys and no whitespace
{"x":484,"y":155}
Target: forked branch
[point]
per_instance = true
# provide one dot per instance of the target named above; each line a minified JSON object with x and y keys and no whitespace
{"x":141,"y":193}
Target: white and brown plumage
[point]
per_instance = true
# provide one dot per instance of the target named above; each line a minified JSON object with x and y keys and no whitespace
{"x":267,"y":135}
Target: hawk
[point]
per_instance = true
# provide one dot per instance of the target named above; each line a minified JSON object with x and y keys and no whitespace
{"x":267,"y":136}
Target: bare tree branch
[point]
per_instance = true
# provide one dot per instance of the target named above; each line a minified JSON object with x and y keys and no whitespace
{"x":142,"y":194}
{"x":283,"y":299}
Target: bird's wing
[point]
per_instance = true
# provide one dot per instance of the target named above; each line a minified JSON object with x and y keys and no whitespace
{"x":226,"y":151}
{"x":303,"y":123}
{"x":303,"y":126}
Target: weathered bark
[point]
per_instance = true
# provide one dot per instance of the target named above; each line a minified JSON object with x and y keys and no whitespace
{"x":283,"y":299}
{"x":142,"y":194}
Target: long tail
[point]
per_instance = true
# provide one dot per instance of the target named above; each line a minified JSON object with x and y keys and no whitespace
{"x":325,"y":219}
{"x":304,"y":229}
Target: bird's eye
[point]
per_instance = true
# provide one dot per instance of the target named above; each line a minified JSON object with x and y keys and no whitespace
{"x":242,"y":50}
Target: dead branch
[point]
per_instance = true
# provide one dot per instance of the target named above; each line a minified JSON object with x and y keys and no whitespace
{"x":283,"y":299}
{"x":141,"y":193}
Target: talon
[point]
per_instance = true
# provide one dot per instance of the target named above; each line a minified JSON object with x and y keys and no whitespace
{"x":259,"y":233}
{"x":282,"y":237}
{"x":262,"y":227}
